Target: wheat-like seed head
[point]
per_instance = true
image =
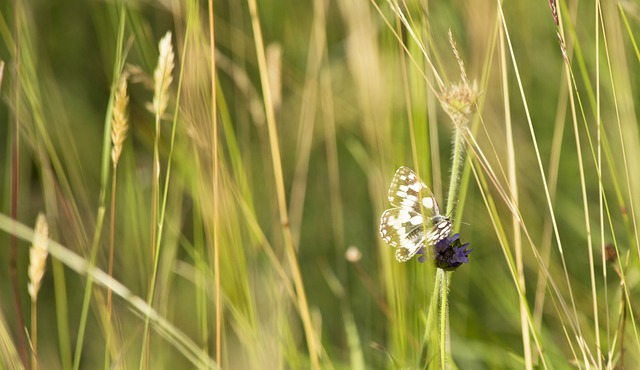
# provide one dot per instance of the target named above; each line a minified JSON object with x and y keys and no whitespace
{"x":119,"y":125}
{"x":38,"y":256}
{"x":163,"y":75}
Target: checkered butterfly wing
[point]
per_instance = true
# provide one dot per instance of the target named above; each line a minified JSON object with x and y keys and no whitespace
{"x":405,"y":226}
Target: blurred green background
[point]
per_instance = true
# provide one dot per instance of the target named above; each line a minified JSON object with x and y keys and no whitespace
{"x":354,"y":95}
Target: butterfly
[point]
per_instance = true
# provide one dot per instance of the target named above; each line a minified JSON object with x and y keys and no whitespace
{"x":405,"y":226}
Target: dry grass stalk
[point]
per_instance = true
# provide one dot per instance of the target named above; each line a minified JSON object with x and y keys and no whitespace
{"x":274,"y":68}
{"x":1,"y":72}
{"x":163,"y":75}
{"x":119,"y":125}
{"x":38,"y":256}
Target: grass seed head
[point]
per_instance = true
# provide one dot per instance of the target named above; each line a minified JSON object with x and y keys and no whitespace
{"x":119,"y":125}
{"x":163,"y":75}
{"x":38,"y":256}
{"x":459,"y":102}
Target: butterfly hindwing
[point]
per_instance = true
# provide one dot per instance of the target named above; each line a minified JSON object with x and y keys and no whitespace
{"x":440,"y":230}
{"x":405,"y":252}
{"x":400,"y":226}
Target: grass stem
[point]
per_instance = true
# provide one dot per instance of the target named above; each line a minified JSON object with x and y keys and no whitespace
{"x":88,"y":289}
{"x":216,"y":190}
{"x":456,"y":169}
{"x":290,"y":251}
{"x":34,"y":335}
{"x":442,"y":278}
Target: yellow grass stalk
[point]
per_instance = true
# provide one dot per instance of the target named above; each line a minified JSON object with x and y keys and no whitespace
{"x":1,"y":72}
{"x":119,"y":128}
{"x":274,"y":70}
{"x":37,"y":262}
{"x":313,"y":343}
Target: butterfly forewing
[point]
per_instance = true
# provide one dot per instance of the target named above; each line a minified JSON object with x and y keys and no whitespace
{"x":408,"y":191}
{"x":415,"y":218}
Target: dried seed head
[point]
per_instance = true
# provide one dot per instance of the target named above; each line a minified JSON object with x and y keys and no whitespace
{"x":459,"y":102}
{"x":163,"y":75}
{"x":119,"y":125}
{"x":463,"y":73}
{"x":554,"y":11}
{"x":38,"y":256}
{"x":136,"y":75}
{"x":610,"y":254}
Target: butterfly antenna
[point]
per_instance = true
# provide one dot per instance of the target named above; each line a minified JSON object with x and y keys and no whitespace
{"x":453,"y":210}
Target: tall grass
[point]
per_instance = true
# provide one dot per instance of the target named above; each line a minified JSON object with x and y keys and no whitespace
{"x":242,"y":216}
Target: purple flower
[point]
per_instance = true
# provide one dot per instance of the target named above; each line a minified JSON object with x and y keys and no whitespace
{"x":448,"y":254}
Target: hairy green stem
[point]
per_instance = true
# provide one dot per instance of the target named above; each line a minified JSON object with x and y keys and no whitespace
{"x":442,"y":277}
{"x":456,"y":169}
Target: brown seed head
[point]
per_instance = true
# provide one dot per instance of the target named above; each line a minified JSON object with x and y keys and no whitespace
{"x":610,"y":253}
{"x":459,"y":102}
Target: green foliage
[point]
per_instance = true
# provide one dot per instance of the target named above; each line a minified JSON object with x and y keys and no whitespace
{"x":263,"y":212}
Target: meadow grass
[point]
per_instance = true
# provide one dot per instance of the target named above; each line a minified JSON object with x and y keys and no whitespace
{"x":236,"y":226}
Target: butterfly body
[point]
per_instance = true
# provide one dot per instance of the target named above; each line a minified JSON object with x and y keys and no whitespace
{"x":415,"y":220}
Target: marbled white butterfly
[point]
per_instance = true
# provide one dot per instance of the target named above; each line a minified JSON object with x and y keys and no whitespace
{"x":405,"y":226}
